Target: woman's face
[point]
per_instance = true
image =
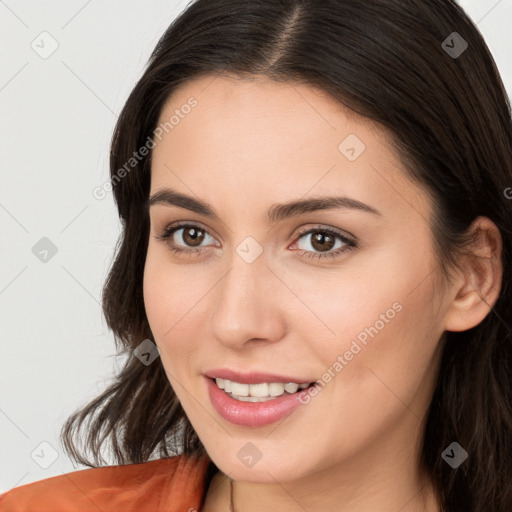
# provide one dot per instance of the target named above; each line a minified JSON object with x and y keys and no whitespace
{"x":345,"y":296}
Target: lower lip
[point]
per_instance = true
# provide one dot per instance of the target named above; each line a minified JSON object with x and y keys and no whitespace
{"x":252,"y":414}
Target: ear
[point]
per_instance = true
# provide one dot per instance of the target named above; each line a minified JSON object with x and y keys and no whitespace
{"x":479,"y":284}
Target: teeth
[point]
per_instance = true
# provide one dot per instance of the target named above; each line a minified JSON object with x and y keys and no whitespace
{"x":275,"y":388}
{"x":258,"y":392}
{"x":291,"y":387}
{"x":239,"y":389}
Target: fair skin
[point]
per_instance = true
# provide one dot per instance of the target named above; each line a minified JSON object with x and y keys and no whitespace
{"x":246,"y":146}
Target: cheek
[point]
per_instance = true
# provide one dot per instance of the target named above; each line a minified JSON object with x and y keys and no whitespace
{"x":170,"y":292}
{"x":344,"y":311}
{"x":383,"y":363}
{"x":168,"y":298}
{"x":380,"y":366}
{"x":177,"y":302}
{"x":373,"y":329}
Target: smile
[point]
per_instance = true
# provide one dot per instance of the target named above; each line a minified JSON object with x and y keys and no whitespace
{"x":260,"y":392}
{"x":257,"y":403}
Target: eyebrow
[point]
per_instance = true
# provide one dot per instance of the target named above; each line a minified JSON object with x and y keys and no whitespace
{"x":276,"y":212}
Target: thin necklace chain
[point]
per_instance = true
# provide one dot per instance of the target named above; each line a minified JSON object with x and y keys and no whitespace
{"x":231,"y":506}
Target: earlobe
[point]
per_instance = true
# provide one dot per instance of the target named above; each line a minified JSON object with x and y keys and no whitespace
{"x":476,"y":292}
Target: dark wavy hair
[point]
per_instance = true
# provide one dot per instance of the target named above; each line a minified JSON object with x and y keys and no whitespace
{"x":450,"y":121}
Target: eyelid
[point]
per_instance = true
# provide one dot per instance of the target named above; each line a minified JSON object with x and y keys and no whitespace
{"x":323,"y":227}
{"x":175,"y":226}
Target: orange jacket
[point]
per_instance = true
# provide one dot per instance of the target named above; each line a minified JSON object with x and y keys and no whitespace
{"x":175,"y":484}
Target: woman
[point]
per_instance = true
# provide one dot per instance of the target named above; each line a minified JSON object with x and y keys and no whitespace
{"x":313,"y":284}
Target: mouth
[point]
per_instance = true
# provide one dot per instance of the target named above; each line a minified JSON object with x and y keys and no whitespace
{"x":258,"y":402}
{"x":259,"y":392}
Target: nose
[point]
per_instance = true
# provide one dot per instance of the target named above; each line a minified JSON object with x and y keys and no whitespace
{"x":248,"y":305}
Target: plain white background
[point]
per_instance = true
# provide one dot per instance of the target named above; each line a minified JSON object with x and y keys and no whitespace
{"x":57,"y":117}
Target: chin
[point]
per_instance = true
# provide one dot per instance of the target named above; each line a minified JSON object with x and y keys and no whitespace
{"x":265,"y":470}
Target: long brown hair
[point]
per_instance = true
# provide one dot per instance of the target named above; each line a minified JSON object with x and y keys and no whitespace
{"x":445,"y":106}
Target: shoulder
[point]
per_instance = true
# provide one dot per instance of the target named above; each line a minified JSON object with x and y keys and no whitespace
{"x":173,"y":484}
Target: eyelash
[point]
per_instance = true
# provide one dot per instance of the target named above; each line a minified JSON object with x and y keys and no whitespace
{"x":350,"y":244}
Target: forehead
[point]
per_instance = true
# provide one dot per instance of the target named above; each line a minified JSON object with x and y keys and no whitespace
{"x":285,"y":114}
{"x":277,"y":140}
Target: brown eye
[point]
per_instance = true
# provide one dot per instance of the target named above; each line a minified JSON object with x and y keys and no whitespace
{"x":322,"y":242}
{"x":187,"y":239}
{"x":193,"y":236}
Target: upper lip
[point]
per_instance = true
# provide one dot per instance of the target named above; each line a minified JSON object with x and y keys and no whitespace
{"x":253,"y":377}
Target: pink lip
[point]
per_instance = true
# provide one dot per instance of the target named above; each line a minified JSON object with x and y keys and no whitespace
{"x":253,"y":414}
{"x":253,"y":377}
